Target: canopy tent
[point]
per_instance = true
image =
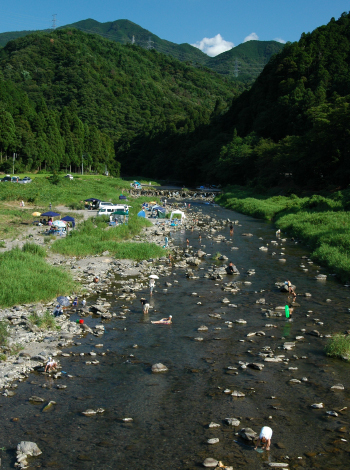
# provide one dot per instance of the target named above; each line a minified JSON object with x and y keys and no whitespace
{"x":50,"y":214}
{"x":176,"y":213}
{"x":68,"y":218}
{"x":121,"y":212}
{"x":158,"y":208}
{"x":142,"y":214}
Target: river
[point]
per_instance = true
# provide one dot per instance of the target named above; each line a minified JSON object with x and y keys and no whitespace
{"x":171,"y":411}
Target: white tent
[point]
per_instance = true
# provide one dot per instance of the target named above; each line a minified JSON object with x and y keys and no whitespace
{"x":177,"y":214}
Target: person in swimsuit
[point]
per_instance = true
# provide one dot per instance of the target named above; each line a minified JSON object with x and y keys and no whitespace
{"x":163,"y":321}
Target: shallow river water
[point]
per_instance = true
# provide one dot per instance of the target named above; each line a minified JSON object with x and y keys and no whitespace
{"x":171,"y":411}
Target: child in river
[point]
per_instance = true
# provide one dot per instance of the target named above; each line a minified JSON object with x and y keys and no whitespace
{"x":265,"y":437}
{"x":50,"y":365}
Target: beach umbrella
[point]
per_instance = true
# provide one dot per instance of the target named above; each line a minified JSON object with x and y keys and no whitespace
{"x":64,"y":301}
{"x":153,"y":276}
{"x":36,"y":214}
{"x":59,"y":223}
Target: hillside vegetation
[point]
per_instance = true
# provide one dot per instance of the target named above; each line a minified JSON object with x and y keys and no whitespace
{"x":291,"y":128}
{"x":242,"y":63}
{"x":67,"y":94}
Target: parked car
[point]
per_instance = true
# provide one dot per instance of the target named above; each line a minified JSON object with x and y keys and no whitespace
{"x":14,"y":179}
{"x":25,"y":180}
{"x":69,"y":176}
{"x":6,"y":178}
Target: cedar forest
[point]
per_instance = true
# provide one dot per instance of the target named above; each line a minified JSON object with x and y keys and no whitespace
{"x":67,"y":94}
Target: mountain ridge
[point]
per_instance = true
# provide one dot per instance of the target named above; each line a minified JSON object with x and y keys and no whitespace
{"x":126,"y":32}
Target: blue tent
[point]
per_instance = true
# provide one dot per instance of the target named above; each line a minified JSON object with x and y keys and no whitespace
{"x":50,"y":214}
{"x":142,"y":214}
{"x":122,"y":197}
{"x":69,"y":219}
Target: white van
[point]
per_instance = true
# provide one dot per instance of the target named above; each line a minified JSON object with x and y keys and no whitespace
{"x":108,"y":210}
{"x":104,"y":204}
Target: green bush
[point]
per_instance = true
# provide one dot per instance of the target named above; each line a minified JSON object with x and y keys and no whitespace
{"x":338,"y":346}
{"x":46,"y":321}
{"x":4,"y":333}
{"x":34,"y":249}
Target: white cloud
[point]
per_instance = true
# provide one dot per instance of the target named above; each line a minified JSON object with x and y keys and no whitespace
{"x":214,"y":46}
{"x":280,"y":40}
{"x":251,"y":37}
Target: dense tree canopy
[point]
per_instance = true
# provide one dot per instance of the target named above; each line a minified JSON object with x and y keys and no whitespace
{"x":66,"y":94}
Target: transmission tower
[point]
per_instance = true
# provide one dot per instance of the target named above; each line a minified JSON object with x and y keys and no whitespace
{"x":133,"y":39}
{"x":236,"y":69}
{"x":54,"y":21}
{"x":150,"y":43}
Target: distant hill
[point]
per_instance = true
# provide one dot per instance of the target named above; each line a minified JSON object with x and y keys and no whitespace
{"x":290,"y":129}
{"x":68,"y":93}
{"x":246,"y":60}
{"x":243,"y":62}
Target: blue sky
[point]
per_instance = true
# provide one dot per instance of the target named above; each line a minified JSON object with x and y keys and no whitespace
{"x":214,"y":26}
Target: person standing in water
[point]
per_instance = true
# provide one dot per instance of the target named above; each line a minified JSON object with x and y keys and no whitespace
{"x":231,"y":230}
{"x":152,"y":284}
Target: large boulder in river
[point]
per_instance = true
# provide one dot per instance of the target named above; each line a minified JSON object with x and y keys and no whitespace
{"x":28,"y":448}
{"x":159,"y":368}
{"x":248,"y":434}
{"x":193,"y":261}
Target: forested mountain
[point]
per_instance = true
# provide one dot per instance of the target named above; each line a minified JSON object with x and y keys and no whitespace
{"x":292,"y":126}
{"x":67,"y":93}
{"x":243,"y":63}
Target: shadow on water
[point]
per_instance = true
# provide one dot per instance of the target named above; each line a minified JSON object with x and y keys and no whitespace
{"x":171,"y":411}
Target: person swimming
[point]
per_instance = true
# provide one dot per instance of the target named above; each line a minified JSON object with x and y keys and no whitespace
{"x":164,"y":321}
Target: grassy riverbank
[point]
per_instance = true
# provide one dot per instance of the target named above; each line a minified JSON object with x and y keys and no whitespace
{"x":94,"y":236}
{"x":26,"y":277}
{"x":320,"y":221}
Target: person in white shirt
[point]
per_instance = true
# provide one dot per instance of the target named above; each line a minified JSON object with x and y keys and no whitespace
{"x":265,"y":437}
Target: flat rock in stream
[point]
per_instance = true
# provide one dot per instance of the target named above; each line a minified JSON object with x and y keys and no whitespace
{"x":159,"y":368}
{"x":248,"y":434}
{"x":210,"y":463}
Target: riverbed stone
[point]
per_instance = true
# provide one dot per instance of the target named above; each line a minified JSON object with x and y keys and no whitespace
{"x":28,"y":448}
{"x":248,"y":434}
{"x":232,"y":421}
{"x":159,"y":367}
{"x":209,"y":462}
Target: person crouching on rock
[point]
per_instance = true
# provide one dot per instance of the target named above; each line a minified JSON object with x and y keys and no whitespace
{"x":51,"y":364}
{"x":265,"y":437}
{"x":230,"y":268}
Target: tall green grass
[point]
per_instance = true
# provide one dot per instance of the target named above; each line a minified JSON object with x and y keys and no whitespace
{"x":28,"y":278}
{"x":68,"y":192}
{"x":323,"y":223}
{"x":338,"y":346}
